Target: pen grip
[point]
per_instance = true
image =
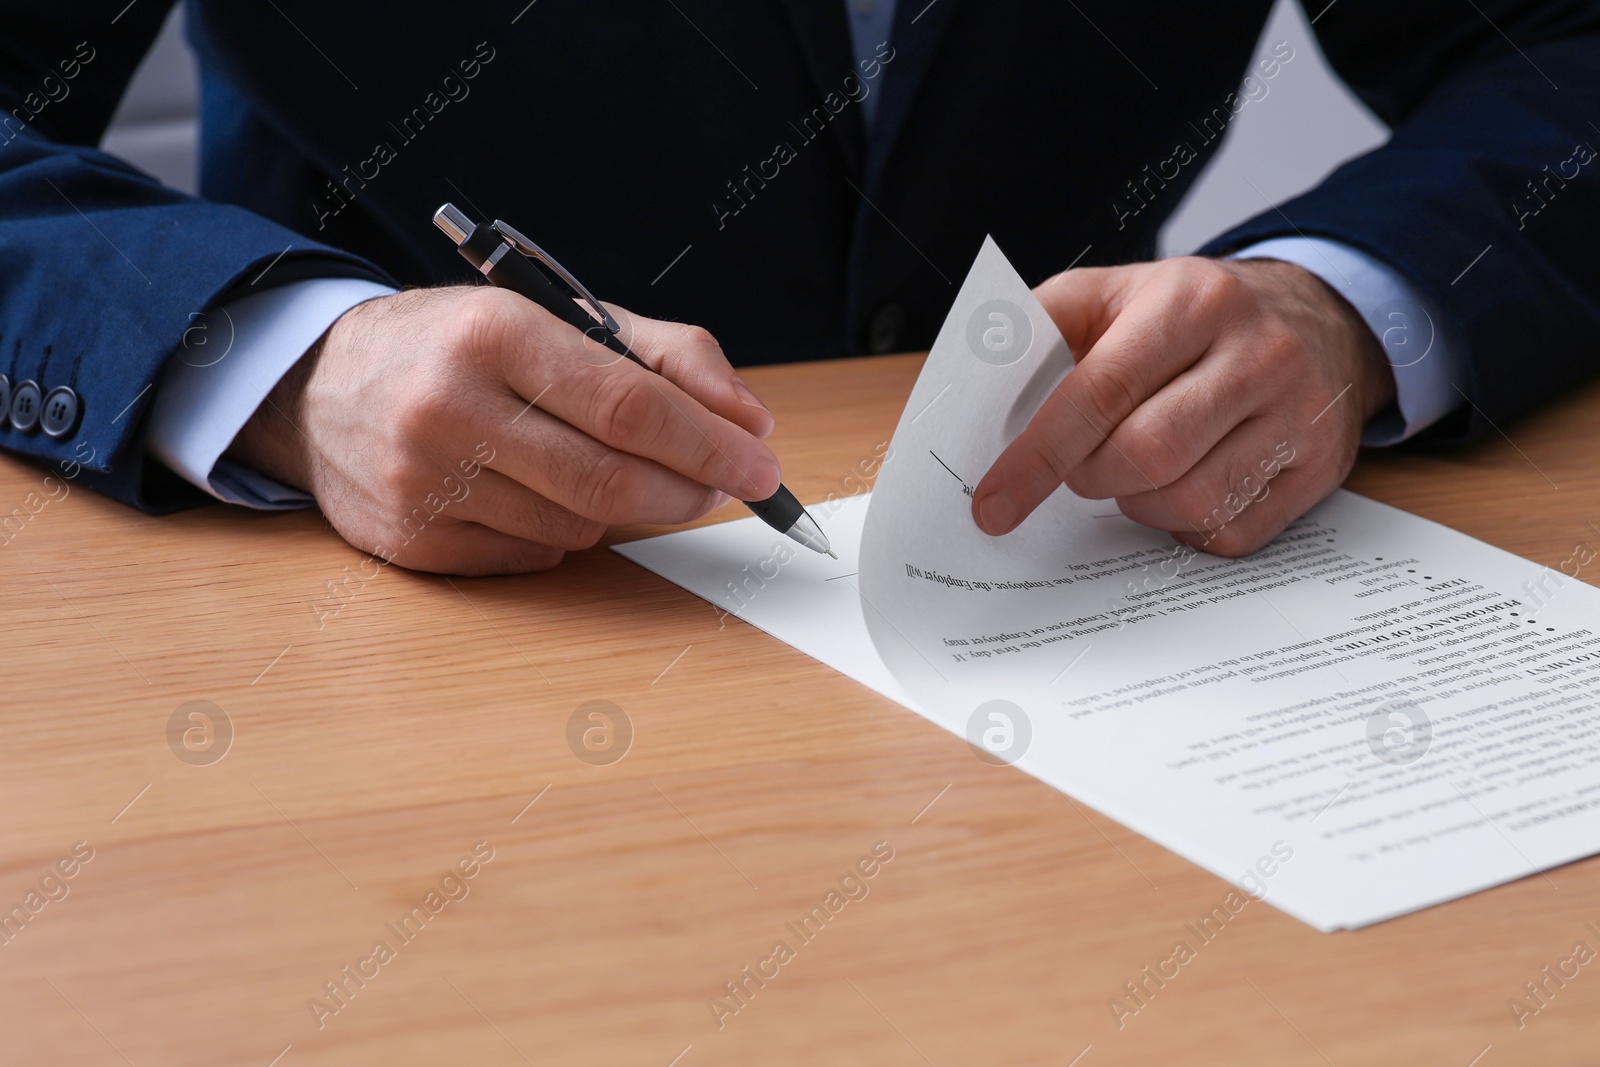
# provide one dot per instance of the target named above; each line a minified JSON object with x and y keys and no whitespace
{"x":513,"y":271}
{"x":780,"y":510}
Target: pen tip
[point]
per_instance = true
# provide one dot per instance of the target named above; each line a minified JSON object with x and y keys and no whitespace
{"x":832,"y":553}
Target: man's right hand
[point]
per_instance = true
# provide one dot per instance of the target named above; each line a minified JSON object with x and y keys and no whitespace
{"x":466,"y":430}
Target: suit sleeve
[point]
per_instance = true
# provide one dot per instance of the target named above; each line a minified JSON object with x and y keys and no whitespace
{"x":1486,"y":196}
{"x":103,"y":270}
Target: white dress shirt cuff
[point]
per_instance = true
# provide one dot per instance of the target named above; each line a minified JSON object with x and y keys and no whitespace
{"x":232,"y":357}
{"x":1421,"y":348}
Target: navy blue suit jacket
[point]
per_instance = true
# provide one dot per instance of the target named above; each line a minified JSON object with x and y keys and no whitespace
{"x":706,"y":161}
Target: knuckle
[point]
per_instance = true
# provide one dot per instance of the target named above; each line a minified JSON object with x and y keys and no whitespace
{"x":1197,"y":504}
{"x":626,"y":412}
{"x":585,"y":534}
{"x":1110,"y":395}
{"x":538,"y":558}
{"x":513,"y":558}
{"x":1274,"y":351}
{"x":1275,"y":337}
{"x":699,"y":336}
{"x":1209,"y":281}
{"x":413,"y":559}
{"x":613,"y":491}
{"x":394,"y":484}
{"x":423,"y":408}
{"x":1038,"y":453}
{"x":1152,"y":453}
{"x":421,"y":554}
{"x":484,"y":321}
{"x":1085,"y":482}
{"x":1240,"y":475}
{"x":567,"y":531}
{"x":1232,"y":543}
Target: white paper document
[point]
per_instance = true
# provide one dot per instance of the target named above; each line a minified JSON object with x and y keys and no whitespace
{"x":1372,"y":714}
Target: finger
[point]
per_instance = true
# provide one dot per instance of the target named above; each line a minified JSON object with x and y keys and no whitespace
{"x":572,"y":470}
{"x":1083,"y":301}
{"x":692,"y":359}
{"x":1163,"y":438}
{"x":473,"y":550}
{"x":1238,"y":497}
{"x":1295,"y":492}
{"x":503,"y":504}
{"x":1161,"y":331}
{"x":626,"y":407}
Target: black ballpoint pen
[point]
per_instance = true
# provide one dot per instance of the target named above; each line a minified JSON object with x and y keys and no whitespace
{"x":489,"y":249}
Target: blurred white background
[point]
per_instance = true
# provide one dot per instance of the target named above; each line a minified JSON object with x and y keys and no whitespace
{"x":1279,"y":145}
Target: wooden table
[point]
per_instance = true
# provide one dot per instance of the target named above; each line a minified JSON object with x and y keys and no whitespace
{"x":374,"y":748}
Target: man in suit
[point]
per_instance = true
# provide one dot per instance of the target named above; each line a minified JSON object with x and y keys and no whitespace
{"x":801,"y":181}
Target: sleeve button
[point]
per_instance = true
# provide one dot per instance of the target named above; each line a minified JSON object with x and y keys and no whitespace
{"x":25,"y":406}
{"x":61,"y":411}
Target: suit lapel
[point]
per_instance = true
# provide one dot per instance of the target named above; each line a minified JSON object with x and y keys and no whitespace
{"x":824,"y":36}
{"x":919,"y":27}
{"x":825,"y":42}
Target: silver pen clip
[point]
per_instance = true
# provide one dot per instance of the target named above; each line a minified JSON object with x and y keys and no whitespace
{"x":528,"y":248}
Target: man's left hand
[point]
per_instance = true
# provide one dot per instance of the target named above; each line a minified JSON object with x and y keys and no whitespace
{"x":1215,"y":399}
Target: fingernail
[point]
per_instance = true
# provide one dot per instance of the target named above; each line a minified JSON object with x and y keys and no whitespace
{"x":997,"y":513}
{"x":761,"y":479}
{"x":748,"y":397}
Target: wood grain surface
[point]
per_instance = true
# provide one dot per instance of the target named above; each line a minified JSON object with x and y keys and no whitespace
{"x":376,"y":745}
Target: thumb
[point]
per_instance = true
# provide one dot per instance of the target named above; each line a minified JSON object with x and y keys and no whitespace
{"x":1083,"y":302}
